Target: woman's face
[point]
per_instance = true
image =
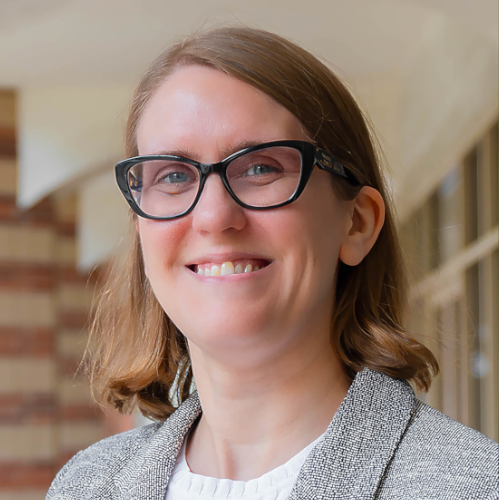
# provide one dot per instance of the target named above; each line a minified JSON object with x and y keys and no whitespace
{"x":206,"y":115}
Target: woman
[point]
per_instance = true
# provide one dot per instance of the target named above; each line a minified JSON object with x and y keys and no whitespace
{"x":265,"y":267}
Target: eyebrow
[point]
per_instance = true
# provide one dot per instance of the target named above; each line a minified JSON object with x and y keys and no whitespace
{"x":186,"y":153}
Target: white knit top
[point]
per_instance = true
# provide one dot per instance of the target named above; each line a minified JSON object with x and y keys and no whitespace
{"x":274,"y":485}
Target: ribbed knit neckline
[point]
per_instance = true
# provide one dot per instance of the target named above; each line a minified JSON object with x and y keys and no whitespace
{"x":282,"y":477}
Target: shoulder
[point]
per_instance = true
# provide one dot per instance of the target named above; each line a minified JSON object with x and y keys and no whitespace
{"x":441,"y":458}
{"x":139,"y":460}
{"x":96,"y":464}
{"x":451,"y":434}
{"x":443,"y":439}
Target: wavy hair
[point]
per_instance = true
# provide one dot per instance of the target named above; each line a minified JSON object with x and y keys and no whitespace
{"x":137,"y":357}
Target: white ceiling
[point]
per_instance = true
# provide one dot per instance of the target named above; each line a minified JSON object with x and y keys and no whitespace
{"x":110,"y":42}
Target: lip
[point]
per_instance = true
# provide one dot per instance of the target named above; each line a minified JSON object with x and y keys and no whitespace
{"x":220,"y":258}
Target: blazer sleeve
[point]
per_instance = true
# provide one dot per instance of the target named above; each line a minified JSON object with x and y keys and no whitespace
{"x":90,"y":473}
{"x":56,"y":490}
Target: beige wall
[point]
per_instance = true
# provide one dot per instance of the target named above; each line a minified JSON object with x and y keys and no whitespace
{"x":45,"y":411}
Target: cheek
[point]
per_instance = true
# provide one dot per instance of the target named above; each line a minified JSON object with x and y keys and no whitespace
{"x":308,"y":235}
{"x":327,"y":219}
{"x":161,"y":245}
{"x":325,"y":227}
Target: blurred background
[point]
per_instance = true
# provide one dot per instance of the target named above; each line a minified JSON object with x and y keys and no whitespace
{"x":425,"y":71}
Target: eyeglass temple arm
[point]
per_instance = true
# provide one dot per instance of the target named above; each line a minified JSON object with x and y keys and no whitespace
{"x":327,"y":162}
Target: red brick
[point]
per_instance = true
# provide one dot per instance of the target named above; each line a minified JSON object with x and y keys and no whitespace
{"x":41,"y":214}
{"x":21,"y":476}
{"x":23,"y":408}
{"x":66,"y":228}
{"x":8,"y":208}
{"x":73,"y":320}
{"x":68,"y":366}
{"x":7,"y":142}
{"x":26,"y":276}
{"x":37,"y":341}
{"x":68,"y":274}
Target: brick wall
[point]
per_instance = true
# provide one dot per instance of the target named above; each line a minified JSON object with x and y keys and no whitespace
{"x":45,"y":411}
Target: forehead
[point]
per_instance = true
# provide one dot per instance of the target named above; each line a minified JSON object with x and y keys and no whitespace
{"x":205,"y":111}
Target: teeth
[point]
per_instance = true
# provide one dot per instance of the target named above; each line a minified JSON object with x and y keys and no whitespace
{"x":227,"y":268}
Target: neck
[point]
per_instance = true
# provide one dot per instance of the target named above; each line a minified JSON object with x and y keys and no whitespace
{"x":257,"y":417}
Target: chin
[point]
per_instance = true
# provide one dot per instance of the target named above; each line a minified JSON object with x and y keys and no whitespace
{"x":215,"y":332}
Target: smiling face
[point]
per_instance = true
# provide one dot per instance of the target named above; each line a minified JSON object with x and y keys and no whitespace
{"x":249,"y":317}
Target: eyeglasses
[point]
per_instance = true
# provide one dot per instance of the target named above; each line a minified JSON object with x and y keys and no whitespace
{"x":270,"y":175}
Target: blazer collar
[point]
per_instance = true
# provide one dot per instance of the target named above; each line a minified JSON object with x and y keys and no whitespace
{"x":147,"y":473}
{"x":349,"y":462}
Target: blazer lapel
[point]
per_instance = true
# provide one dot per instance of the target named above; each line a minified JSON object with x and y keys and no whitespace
{"x":349,"y":463}
{"x":147,"y":473}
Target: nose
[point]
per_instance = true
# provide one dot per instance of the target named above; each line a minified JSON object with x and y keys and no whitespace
{"x":216,"y":212}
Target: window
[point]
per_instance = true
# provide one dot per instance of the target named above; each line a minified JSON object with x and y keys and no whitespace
{"x":451,"y":244}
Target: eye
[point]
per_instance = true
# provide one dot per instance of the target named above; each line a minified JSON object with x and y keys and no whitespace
{"x":175,"y":178}
{"x":259,"y":169}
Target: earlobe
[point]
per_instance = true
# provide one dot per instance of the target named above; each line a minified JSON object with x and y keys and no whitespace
{"x":367,"y":219}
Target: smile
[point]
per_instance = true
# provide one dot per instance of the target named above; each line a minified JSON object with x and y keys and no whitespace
{"x":241,"y":266}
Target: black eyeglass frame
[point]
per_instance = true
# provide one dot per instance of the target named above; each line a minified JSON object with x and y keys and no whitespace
{"x":311,"y":156}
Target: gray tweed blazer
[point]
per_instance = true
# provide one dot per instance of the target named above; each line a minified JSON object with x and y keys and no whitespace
{"x":382,"y":444}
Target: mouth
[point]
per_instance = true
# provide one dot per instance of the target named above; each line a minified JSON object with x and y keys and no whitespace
{"x":228,"y":267}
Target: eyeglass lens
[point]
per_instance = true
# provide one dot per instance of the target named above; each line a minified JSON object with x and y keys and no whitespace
{"x":262,"y":178}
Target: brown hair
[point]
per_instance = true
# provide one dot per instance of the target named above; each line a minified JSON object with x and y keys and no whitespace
{"x":139,"y":357}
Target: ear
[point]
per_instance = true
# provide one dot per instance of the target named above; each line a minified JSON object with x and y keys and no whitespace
{"x":367,"y":218}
